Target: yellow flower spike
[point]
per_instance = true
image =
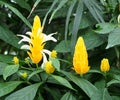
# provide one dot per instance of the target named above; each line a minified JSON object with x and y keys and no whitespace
{"x":49,"y":68}
{"x":24,"y":74}
{"x":36,"y":45}
{"x":36,"y":42}
{"x":16,"y":60}
{"x":80,"y":58}
{"x":53,"y":54}
{"x":105,"y":67}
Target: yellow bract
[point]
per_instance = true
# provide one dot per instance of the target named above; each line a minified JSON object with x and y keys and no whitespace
{"x":36,"y":42}
{"x":36,"y":45}
{"x":24,"y":74}
{"x":105,"y":67}
{"x":16,"y":60}
{"x":49,"y":68}
{"x":80,"y":59}
{"x":53,"y":54}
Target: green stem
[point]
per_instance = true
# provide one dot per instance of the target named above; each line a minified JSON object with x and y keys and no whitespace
{"x":81,"y":75}
{"x":26,"y":68}
{"x":37,"y":66}
{"x":105,"y":79}
{"x":29,"y":65}
{"x":64,"y":60}
{"x":117,"y":52}
{"x":118,"y":56}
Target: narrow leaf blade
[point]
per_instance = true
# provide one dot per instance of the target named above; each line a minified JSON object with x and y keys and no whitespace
{"x":14,"y":10}
{"x":76,"y":23}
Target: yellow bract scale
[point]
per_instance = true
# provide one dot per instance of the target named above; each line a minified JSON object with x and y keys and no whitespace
{"x":105,"y":67}
{"x":24,"y":74}
{"x":49,"y":68}
{"x":16,"y":60}
{"x":80,"y":58}
{"x":53,"y":54}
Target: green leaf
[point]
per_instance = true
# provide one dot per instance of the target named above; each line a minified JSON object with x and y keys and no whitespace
{"x":34,"y":73}
{"x":51,"y":8}
{"x":76,"y":24}
{"x":9,"y":37}
{"x":92,"y":40}
{"x":2,"y":66}
{"x":103,"y":28}
{"x":34,"y":6}
{"x":68,"y":17}
{"x":9,"y":70}
{"x":6,"y":58}
{"x":23,"y":4}
{"x":115,"y":97}
{"x":114,"y":38}
{"x":27,"y":93}
{"x":61,"y":4}
{"x":54,"y":92}
{"x":94,"y":9}
{"x":113,"y":82}
{"x":95,"y":71}
{"x":14,"y":10}
{"x":63,"y":46}
{"x":85,"y":85}
{"x":68,"y":96}
{"x":40,"y":97}
{"x":63,"y":81}
{"x":104,"y":95}
{"x":8,"y":87}
{"x":55,"y":63}
{"x":100,"y":84}
{"x":86,"y":21}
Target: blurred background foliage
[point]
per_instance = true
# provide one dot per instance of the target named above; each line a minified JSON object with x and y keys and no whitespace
{"x":95,"y":20}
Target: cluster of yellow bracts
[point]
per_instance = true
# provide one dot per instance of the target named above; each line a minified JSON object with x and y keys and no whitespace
{"x":36,"y":51}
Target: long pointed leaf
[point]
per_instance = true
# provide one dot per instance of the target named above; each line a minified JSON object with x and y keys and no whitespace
{"x":68,"y":17}
{"x":94,"y":10}
{"x":61,"y":4}
{"x":34,"y":6}
{"x":51,"y":8}
{"x":76,"y":24}
{"x":14,"y":10}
